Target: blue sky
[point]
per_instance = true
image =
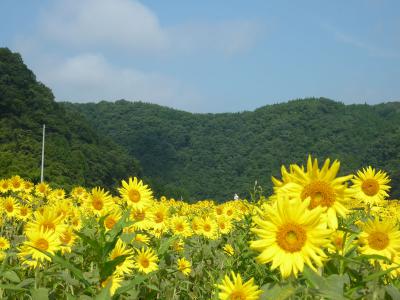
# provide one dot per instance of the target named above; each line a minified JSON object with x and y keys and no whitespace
{"x":209,"y":56}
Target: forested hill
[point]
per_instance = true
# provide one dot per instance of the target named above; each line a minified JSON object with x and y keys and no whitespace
{"x":75,"y":153}
{"x":217,"y":155}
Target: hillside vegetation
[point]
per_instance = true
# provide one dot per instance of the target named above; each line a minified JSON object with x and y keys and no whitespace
{"x":216,"y":155}
{"x":75,"y":153}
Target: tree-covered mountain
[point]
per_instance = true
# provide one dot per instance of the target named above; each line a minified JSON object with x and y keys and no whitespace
{"x":217,"y":155}
{"x":74,"y":153}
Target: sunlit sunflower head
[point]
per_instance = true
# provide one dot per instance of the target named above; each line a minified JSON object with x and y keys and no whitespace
{"x":179,"y":225}
{"x":380,"y":237}
{"x":113,"y":282}
{"x":78,"y":193}
{"x":184,"y":266}
{"x":224,"y":224}
{"x":128,"y":264}
{"x":291,"y":235}
{"x":371,"y":186}
{"x":4,"y":243}
{"x":146,"y":260}
{"x":178,"y":245}
{"x":24,"y":213}
{"x":56,"y":195}
{"x":99,"y":201}
{"x":160,"y":217}
{"x":228,"y":249}
{"x":136,"y":194}
{"x":142,"y":238}
{"x":112,"y":218}
{"x":46,"y":220}
{"x":37,"y":241}
{"x":42,"y":189}
{"x":67,"y":239}
{"x":235,"y":288}
{"x":27,"y":186}
{"x":209,"y":228}
{"x":322,"y":187}
{"x":141,"y":218}
{"x":16,"y":183}
{"x":4,"y":185}
{"x":10,"y":206}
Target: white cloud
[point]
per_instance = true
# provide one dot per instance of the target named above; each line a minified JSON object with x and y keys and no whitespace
{"x":89,"y":77}
{"x":104,"y":23}
{"x":75,"y":47}
{"x":128,"y":25}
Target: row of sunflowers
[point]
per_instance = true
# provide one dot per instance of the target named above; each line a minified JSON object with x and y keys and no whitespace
{"x":318,"y":236}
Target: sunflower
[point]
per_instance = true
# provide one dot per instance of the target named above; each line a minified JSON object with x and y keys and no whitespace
{"x":113,"y":282}
{"x":4,"y":185}
{"x":178,"y":245}
{"x":42,"y":189}
{"x":209,"y":228}
{"x":322,"y":187}
{"x":67,"y":239}
{"x":136,"y":194}
{"x":224,"y":224}
{"x":24,"y":213}
{"x":31,"y":252}
{"x":184,"y":266}
{"x":128,"y":264}
{"x":291,"y":235}
{"x":228,"y":249}
{"x":142,"y":238}
{"x":146,"y":260}
{"x":10,"y":206}
{"x":141,"y":219}
{"x":4,"y":243}
{"x":370,"y":186}
{"x":159,"y":217}
{"x":16,"y":183}
{"x":380,"y":237}
{"x":46,"y":220}
{"x":180,"y":226}
{"x":112,"y":218}
{"x":99,"y":201}
{"x":236,"y":289}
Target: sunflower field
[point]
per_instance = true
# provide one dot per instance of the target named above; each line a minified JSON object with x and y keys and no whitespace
{"x":318,"y":236}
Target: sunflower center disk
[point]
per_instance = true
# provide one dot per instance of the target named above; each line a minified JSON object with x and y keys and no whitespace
{"x":238,"y":295}
{"x":134,"y":196}
{"x":145,"y":262}
{"x":42,"y":244}
{"x":97,"y":203}
{"x":110,"y":222}
{"x":320,"y":192}
{"x":291,"y":237}
{"x":378,"y":240}
{"x":370,"y":187}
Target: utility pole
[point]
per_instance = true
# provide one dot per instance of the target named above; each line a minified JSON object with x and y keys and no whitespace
{"x":42,"y":168}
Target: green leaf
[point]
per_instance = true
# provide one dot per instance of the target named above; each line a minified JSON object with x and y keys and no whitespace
{"x":88,"y":240}
{"x":165,"y":244}
{"x":380,"y":274}
{"x":277,"y":292}
{"x":12,"y":287}
{"x":40,"y":294}
{"x":12,"y":276}
{"x":328,"y":287}
{"x":132,"y":283}
{"x":109,"y":267}
{"x":392,"y":291}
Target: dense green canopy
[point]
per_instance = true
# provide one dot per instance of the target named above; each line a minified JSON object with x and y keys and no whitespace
{"x":75,"y":153}
{"x":217,"y":155}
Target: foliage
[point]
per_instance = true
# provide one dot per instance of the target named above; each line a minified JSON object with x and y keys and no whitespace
{"x":201,"y":156}
{"x":74,"y":152}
